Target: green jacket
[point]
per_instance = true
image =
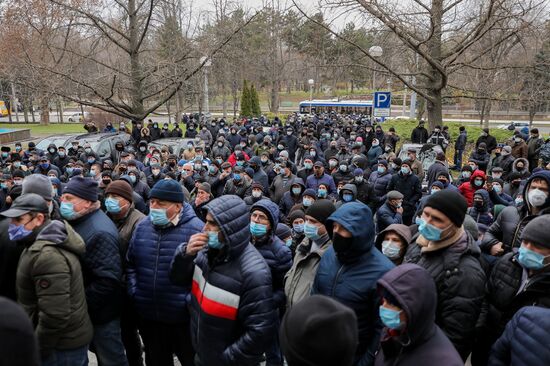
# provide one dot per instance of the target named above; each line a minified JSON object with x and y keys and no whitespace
{"x":51,"y":290}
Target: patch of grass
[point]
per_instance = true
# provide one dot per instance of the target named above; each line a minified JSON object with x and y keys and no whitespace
{"x":51,"y":129}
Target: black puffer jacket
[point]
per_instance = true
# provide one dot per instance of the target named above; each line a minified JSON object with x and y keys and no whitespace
{"x":504,"y":299}
{"x":231,"y":307}
{"x":460,"y":283}
{"x":509,"y":225}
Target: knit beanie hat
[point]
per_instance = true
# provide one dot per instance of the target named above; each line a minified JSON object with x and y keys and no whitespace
{"x":283,"y":231}
{"x":258,"y":185}
{"x":19,"y":346}
{"x":319,"y":331}
{"x":168,"y":190}
{"x":85,"y":188}
{"x":310,"y":192}
{"x":536,"y":231}
{"x":39,"y":184}
{"x":452,"y":204}
{"x":120,"y":188}
{"x":320,"y":210}
{"x":295,"y":215}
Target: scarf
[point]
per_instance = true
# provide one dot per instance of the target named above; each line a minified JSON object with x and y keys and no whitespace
{"x":432,"y":246}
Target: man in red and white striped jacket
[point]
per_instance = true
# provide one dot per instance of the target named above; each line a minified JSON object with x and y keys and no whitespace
{"x":231,"y":307}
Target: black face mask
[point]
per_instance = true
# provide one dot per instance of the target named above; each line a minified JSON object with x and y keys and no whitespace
{"x":478,"y":204}
{"x":341,"y":245}
{"x":106,"y":181}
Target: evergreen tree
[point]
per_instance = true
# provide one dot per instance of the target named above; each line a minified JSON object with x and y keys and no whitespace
{"x":246,"y":106}
{"x":255,"y":102}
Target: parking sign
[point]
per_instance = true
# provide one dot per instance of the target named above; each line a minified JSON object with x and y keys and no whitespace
{"x":382,"y":104}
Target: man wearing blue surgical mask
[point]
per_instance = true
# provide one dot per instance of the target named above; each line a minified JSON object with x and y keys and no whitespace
{"x":171,"y":221}
{"x":264,"y":217}
{"x":230,"y":285}
{"x":450,"y":255}
{"x":518,"y":279}
{"x":101,"y":265}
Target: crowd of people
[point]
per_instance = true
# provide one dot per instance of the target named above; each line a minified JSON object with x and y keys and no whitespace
{"x":307,"y":242}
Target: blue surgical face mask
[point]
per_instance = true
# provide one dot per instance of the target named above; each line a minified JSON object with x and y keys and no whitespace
{"x":530,"y":259}
{"x":307,"y":202}
{"x":381,"y":169}
{"x":17,"y":164}
{"x":158,"y":216}
{"x":17,"y":232}
{"x":322,"y":193}
{"x":4,"y":154}
{"x":311,"y":231}
{"x":240,"y":163}
{"x":405,"y":170}
{"x":299,"y":228}
{"x":288,"y":242}
{"x":478,"y":182}
{"x":213,"y":240}
{"x":296,"y":191}
{"x":112,"y":205}
{"x":497,"y":188}
{"x":91,"y":161}
{"x":67,"y":210}
{"x":61,"y":154}
{"x":390,"y":249}
{"x":347,"y":197}
{"x":518,"y":201}
{"x":308,"y":166}
{"x":236,"y":177}
{"x":4,"y":185}
{"x":257,"y":230}
{"x":434,"y":191}
{"x":45,"y":165}
{"x":390,"y":318}
{"x":429,"y":231}
{"x":133,"y":179}
{"x":69,"y":170}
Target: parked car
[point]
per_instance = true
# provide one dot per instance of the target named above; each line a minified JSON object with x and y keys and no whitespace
{"x":513,"y":125}
{"x":103,"y":143}
{"x":175,"y":144}
{"x":79,"y":117}
{"x":58,"y":140}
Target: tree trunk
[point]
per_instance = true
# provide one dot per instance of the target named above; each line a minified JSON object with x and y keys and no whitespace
{"x":234,"y":90}
{"x":224,"y":100}
{"x":136,"y":95}
{"x":44,"y":112}
{"x":435,"y":109}
{"x":420,"y":108}
{"x":31,"y":103}
{"x":61,"y":110}
{"x":169,"y":113}
{"x":26,"y":110}
{"x":274,"y":104}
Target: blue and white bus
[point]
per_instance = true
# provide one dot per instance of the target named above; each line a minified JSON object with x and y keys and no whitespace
{"x":338,"y":106}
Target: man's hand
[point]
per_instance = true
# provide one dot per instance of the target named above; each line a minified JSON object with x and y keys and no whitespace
{"x":399,"y":210}
{"x":497,"y":250}
{"x":196,"y":243}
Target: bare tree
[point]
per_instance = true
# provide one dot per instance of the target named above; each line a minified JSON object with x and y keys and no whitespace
{"x":441,"y":33}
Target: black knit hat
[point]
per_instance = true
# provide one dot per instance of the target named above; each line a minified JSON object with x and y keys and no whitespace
{"x":450,"y":203}
{"x":536,"y":231}
{"x":85,"y":188}
{"x":120,"y":188}
{"x":320,"y":210}
{"x":319,"y":331}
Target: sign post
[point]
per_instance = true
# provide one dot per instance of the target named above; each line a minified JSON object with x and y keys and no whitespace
{"x":382,"y":104}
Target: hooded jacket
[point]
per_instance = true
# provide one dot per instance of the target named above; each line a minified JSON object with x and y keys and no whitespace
{"x":525,"y":171}
{"x":277,"y":255}
{"x":231,"y":306}
{"x":467,"y":189}
{"x":510,"y":223}
{"x":524,"y":341}
{"x":386,"y":215}
{"x":50,"y":288}
{"x":460,"y":283}
{"x":290,"y":199}
{"x":353,"y":281}
{"x":150,"y":253}
{"x":421,"y":342}
{"x":482,"y":215}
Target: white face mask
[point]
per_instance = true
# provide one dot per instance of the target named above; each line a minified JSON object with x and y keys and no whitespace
{"x":536,"y":197}
{"x":256,"y":194}
{"x":390,"y":249}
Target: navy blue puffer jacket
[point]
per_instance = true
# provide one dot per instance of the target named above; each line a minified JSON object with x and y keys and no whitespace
{"x":525,"y":340}
{"x":353,"y":282}
{"x":277,"y":255}
{"x":150,"y":253}
{"x":232,"y":312}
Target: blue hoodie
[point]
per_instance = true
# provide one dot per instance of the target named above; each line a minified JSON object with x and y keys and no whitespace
{"x":353,"y":283}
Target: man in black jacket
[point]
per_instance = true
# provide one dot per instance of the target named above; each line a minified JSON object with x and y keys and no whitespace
{"x":232,"y":310}
{"x":451,"y":256}
{"x":490,"y":141}
{"x":517,"y":280}
{"x":460,"y":145}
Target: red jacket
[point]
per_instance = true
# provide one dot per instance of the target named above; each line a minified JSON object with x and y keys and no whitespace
{"x":467,"y":189}
{"x":233,"y":159}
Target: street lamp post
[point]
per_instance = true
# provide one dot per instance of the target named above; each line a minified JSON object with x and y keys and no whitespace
{"x":311,"y":83}
{"x":207,"y":63}
{"x":375,"y":51}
